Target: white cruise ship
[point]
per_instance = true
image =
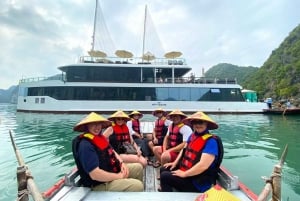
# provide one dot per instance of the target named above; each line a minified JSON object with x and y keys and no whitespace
{"x":110,"y":84}
{"x":104,"y":84}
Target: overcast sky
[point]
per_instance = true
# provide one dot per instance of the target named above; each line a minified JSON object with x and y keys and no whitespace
{"x":37,"y":36}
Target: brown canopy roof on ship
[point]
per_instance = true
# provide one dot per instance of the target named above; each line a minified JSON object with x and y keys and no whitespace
{"x":97,"y":53}
{"x":173,"y":54}
{"x":123,"y":54}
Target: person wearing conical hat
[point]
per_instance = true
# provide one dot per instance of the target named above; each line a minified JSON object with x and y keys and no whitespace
{"x":175,"y":139}
{"x":159,"y":132}
{"x":196,"y":168}
{"x":119,"y":136}
{"x":134,"y":127}
{"x":99,"y":166}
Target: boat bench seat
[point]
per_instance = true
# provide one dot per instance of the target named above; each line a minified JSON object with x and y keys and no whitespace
{"x":72,"y":178}
{"x":228,"y":182}
{"x":71,"y":193}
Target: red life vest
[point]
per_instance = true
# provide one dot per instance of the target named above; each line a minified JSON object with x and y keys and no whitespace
{"x":175,"y":137}
{"x":136,"y":125}
{"x":119,"y":136}
{"x":159,"y":125}
{"x":193,"y":151}
{"x":121,"y":133}
{"x":106,"y":156}
{"x":101,"y":143}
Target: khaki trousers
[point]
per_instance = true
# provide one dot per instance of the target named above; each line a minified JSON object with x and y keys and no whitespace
{"x":134,"y":182}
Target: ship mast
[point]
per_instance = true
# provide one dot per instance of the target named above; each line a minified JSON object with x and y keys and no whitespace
{"x":144,"y":34}
{"x":95,"y":22}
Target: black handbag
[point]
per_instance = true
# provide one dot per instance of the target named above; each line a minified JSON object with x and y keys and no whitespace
{"x":127,"y":148}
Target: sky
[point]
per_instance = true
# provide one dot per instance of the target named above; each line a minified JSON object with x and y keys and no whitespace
{"x":38,"y":36}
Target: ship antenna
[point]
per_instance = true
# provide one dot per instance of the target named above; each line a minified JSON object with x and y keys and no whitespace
{"x":94,"y":31}
{"x":145,"y":20}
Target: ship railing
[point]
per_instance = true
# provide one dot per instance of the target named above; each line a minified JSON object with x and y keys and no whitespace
{"x":196,"y":80}
{"x":133,"y":60}
{"x":38,"y":79}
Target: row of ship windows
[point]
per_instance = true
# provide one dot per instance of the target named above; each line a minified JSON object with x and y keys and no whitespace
{"x":137,"y":94}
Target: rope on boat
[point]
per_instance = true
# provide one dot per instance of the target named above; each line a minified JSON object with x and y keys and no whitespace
{"x":273,"y":183}
{"x":22,"y":194}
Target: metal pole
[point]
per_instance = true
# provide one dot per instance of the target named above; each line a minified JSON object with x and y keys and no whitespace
{"x":95,"y":22}
{"x":144,"y":34}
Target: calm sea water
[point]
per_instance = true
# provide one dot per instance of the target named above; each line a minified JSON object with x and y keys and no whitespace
{"x":253,"y":144}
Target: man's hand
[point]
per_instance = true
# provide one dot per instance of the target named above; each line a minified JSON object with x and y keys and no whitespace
{"x":124,"y":173}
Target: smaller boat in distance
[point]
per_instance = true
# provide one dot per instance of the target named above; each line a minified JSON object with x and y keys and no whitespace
{"x":283,"y":111}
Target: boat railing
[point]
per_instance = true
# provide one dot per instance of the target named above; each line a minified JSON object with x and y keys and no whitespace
{"x":196,"y":80}
{"x":167,"y":80}
{"x":133,"y":60}
{"x":38,"y":79}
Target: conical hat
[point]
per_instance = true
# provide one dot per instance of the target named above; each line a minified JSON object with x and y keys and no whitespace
{"x":136,"y":112}
{"x":201,"y":116}
{"x":91,"y":118}
{"x":119,"y":114}
{"x":158,"y":110}
{"x":176,"y":112}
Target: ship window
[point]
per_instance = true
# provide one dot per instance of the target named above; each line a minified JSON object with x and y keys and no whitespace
{"x":42,"y":100}
{"x":198,"y":94}
{"x":162,"y":94}
{"x":37,"y":100}
{"x":173,"y":94}
{"x":215,"y":90}
{"x":184,"y":94}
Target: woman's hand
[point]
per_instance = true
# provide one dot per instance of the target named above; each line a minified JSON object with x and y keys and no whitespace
{"x":179,"y":173}
{"x":170,"y":165}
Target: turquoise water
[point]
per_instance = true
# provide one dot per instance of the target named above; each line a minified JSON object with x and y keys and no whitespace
{"x":253,"y":144}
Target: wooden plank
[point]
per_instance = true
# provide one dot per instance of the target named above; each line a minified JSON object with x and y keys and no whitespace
{"x":151,"y":183}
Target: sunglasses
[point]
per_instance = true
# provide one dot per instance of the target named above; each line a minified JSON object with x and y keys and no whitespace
{"x":198,"y":122}
{"x":120,"y":119}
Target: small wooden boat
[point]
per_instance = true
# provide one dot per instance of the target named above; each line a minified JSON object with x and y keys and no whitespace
{"x":68,"y":188}
{"x":283,"y":111}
